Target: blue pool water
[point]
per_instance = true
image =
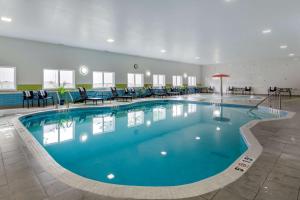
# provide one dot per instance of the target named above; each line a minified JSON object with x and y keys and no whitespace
{"x":158,"y":143}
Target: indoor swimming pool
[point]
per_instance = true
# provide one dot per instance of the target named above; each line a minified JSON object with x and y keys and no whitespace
{"x":151,"y":143}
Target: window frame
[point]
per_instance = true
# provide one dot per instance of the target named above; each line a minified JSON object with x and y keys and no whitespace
{"x":73,"y":78}
{"x":134,"y":80}
{"x":181,"y":80}
{"x":191,"y":79}
{"x":103,"y":72}
{"x":15,"y":79}
{"x":58,"y":78}
{"x":158,"y":76}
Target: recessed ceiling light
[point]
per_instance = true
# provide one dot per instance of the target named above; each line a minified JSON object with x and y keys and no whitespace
{"x":163,"y":51}
{"x":148,"y":73}
{"x":197,"y":138}
{"x":291,"y":54}
{"x":267,"y":31}
{"x":197,"y":57}
{"x":6,"y":19}
{"x":163,"y":153}
{"x":283,"y":46}
{"x":110,"y":40}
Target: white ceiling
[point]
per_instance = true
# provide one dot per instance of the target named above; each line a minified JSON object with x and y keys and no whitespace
{"x":214,"y":30}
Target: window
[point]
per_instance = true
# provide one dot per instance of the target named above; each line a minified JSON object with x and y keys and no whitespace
{"x":103,"y":79}
{"x":135,"y":80}
{"x":103,"y":124}
{"x":159,"y":113}
{"x":67,"y":78}
{"x":7,"y":78}
{"x":177,"y":81}
{"x":135,"y":118}
{"x":50,"y":79}
{"x":159,"y":80}
{"x":54,"y":78}
{"x":192,"y":81}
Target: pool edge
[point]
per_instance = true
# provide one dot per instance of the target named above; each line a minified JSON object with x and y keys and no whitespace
{"x":210,"y":184}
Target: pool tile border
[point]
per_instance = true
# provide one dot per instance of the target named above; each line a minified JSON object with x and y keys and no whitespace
{"x":229,"y":175}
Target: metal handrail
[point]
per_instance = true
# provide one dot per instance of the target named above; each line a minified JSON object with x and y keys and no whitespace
{"x":268,"y":97}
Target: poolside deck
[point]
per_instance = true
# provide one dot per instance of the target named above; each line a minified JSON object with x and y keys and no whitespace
{"x":275,"y":175}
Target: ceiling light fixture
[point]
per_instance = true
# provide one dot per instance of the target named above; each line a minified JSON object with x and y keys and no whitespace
{"x":6,"y":19}
{"x":148,"y":73}
{"x":110,"y":40}
{"x":83,"y":70}
{"x":267,"y":31}
{"x":291,"y":54}
{"x":163,"y":51}
{"x":283,"y":46}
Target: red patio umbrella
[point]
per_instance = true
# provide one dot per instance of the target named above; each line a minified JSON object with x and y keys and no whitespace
{"x":221,"y":76}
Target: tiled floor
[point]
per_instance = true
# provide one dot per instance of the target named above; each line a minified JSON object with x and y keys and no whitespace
{"x":274,"y":176}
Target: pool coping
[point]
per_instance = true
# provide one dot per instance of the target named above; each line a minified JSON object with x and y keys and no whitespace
{"x":229,"y":175}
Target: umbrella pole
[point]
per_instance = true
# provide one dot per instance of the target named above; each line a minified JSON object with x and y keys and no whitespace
{"x":221,"y":86}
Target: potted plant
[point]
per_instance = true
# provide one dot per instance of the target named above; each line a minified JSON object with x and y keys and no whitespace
{"x":62,"y":93}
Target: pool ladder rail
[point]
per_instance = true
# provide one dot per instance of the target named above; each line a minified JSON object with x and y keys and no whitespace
{"x":272,"y":97}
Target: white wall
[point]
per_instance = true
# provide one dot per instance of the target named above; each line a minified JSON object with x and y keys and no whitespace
{"x":31,"y":57}
{"x":260,"y":74}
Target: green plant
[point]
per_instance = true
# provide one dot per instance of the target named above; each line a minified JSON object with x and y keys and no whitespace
{"x":62,"y":92}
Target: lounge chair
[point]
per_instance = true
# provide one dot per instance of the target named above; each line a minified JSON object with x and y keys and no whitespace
{"x":44,"y":97}
{"x":84,"y":97}
{"x":133,"y":92}
{"x":211,"y":89}
{"x":116,"y":96}
{"x":271,"y":90}
{"x":171,"y":92}
{"x":248,"y":90}
{"x":28,"y":96}
{"x":230,"y":90}
{"x":154,"y":93}
{"x":130,"y":92}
